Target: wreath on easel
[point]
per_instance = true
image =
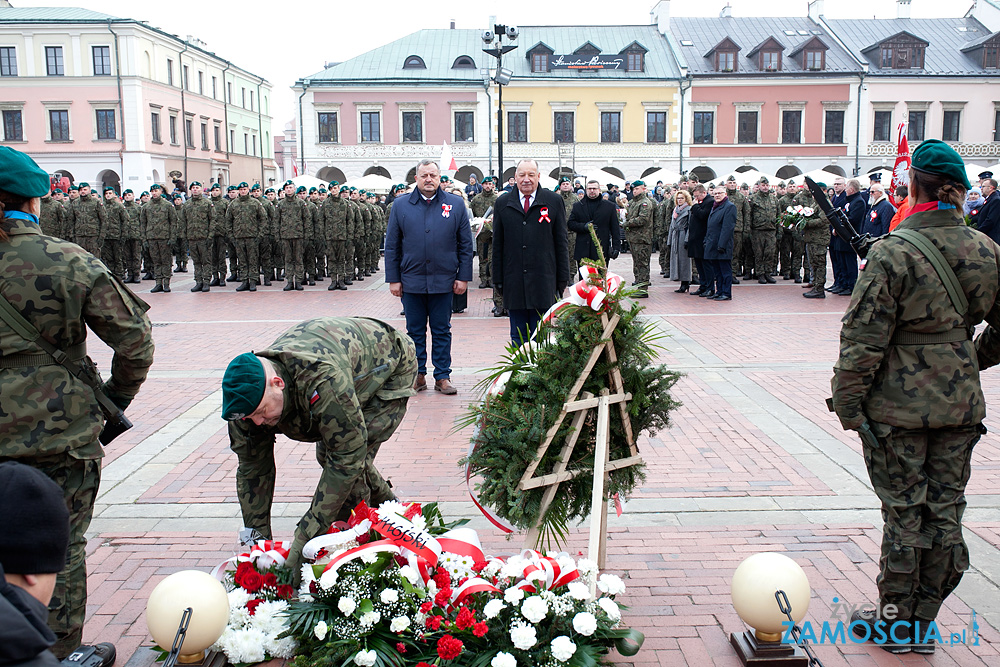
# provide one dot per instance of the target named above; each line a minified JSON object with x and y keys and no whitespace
{"x":530,"y":431}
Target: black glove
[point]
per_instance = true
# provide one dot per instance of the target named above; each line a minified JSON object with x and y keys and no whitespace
{"x":614,"y":254}
{"x":119,"y":400}
{"x":722,"y":251}
{"x":560,"y":288}
{"x":685,"y":246}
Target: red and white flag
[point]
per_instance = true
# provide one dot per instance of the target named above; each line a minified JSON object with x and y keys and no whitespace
{"x":901,"y":170}
{"x":447,"y":161}
{"x":295,"y":170}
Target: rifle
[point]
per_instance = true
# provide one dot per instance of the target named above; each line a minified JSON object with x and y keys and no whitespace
{"x":841,"y":223}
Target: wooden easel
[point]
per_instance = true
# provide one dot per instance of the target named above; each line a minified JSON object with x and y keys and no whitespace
{"x":580,"y":407}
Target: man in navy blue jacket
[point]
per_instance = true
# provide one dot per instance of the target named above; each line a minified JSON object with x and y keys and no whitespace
{"x":880,"y":212}
{"x":428,"y":257}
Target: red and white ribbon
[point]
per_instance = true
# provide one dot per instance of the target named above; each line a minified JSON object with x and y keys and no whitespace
{"x":462,"y":542}
{"x":490,"y":515}
{"x":472,"y":585}
{"x":543,"y":215}
{"x":334,"y":539}
{"x":552,"y":575}
{"x":263,"y":554}
{"x":382,"y":546}
{"x":445,"y":210}
{"x":400,"y":531}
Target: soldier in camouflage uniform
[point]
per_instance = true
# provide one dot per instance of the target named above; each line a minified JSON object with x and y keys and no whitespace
{"x":377,"y":233}
{"x":661,"y":218}
{"x":87,"y":220}
{"x":264,"y":242}
{"x":570,"y":198}
{"x":353,"y":222}
{"x":639,"y":233}
{"x":481,"y":203}
{"x":158,"y":219}
{"x":742,"y":219}
{"x":336,"y":212}
{"x":763,"y":216}
{"x":309,"y":243}
{"x":783,"y":235}
{"x":291,"y":222}
{"x":342,"y":383}
{"x":52,"y":218}
{"x":246,"y":221}
{"x":131,"y":238}
{"x":115,"y":217}
{"x":219,"y":240}
{"x":363,"y":243}
{"x":908,"y":381}
{"x":798,"y":250}
{"x":816,"y":237}
{"x":199,"y":220}
{"x":270,"y":250}
{"x":50,"y":420}
{"x":319,"y":234}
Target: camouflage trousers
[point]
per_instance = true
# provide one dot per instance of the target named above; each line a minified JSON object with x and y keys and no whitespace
{"x":179,"y":248}
{"x":79,"y":479}
{"x":763,"y":251}
{"x":664,"y":244}
{"x":349,"y":258}
{"x":90,"y":244}
{"x":738,"y":253}
{"x":131,"y":256}
{"x":309,"y":259}
{"x":573,"y":266}
{"x":264,"y":251}
{"x":292,"y":249}
{"x":798,"y":254}
{"x":246,"y":253}
{"x":359,"y":257}
{"x":337,"y":260}
{"x":159,"y":252}
{"x":320,"y":251}
{"x":234,"y":262}
{"x":817,"y":263}
{"x":641,"y":254}
{"x":111,"y":255}
{"x":920,"y":476}
{"x":219,"y":257}
{"x":201,"y":257}
{"x":785,"y":242}
{"x":484,"y":250}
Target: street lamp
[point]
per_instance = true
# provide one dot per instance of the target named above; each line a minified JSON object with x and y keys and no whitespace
{"x":502,"y":76}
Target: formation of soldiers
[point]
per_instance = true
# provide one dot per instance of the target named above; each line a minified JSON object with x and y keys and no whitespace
{"x":302,"y":238}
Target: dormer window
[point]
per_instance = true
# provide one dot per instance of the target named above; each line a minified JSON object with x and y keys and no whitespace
{"x":538,"y":56}
{"x":770,"y":61}
{"x":810,"y":54}
{"x":991,"y":57}
{"x":814,"y":59}
{"x":414,"y":62}
{"x":634,"y":61}
{"x":588,"y":49}
{"x":464,"y":62}
{"x":768,"y":55}
{"x":901,"y":51}
{"x":725,"y":61}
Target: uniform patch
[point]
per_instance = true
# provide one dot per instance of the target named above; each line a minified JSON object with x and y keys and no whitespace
{"x":314,"y":398}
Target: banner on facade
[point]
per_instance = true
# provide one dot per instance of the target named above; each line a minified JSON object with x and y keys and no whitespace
{"x":586,"y":62}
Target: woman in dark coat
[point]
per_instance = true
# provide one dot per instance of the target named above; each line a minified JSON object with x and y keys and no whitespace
{"x":719,"y":243}
{"x":697,"y":225}
{"x":680,"y":261}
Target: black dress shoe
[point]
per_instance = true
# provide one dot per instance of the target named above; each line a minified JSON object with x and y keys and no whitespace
{"x":721,"y":297}
{"x":736,"y":281}
{"x":707,"y":294}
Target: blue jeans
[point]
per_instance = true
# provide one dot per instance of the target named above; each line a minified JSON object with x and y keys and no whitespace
{"x":436,"y":308}
{"x":522,"y":324}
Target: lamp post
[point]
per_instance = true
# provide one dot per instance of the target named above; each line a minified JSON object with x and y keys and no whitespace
{"x":502,"y":76}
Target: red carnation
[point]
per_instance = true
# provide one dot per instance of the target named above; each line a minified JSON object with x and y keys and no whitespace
{"x":434,"y":622}
{"x":252,"y":606}
{"x":423,"y":664}
{"x":401,"y":647}
{"x":449,"y":648}
{"x":271,"y":580}
{"x":285,"y":592}
{"x":479,"y":566}
{"x":252,"y":581}
{"x":363,"y":539}
{"x":442,"y":599}
{"x":442,"y":578}
{"x":465,"y":619}
{"x":480,"y":629}
{"x":426,"y":607}
{"x":461,"y":582}
{"x":412,"y":511}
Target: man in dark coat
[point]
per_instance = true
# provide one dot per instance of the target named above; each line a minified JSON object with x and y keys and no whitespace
{"x":880,"y":212}
{"x":989,"y":212}
{"x":428,"y":257}
{"x":697,"y":226}
{"x":855,"y":208}
{"x":838,"y":246}
{"x":719,"y":243}
{"x":604,"y":215}
{"x":530,"y":256}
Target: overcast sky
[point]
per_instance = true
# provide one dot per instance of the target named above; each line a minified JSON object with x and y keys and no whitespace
{"x":285,"y":41}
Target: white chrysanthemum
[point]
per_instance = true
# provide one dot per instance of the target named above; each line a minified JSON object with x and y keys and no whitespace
{"x":419,"y":522}
{"x":513,"y":595}
{"x":399,"y":624}
{"x":365,"y":658}
{"x":320,"y":630}
{"x":493,"y":567}
{"x":432,"y":589}
{"x":585,"y":623}
{"x":347,"y":605}
{"x":243,"y":645}
{"x":563,"y":648}
{"x":392,"y":507}
{"x":493,"y":608}
{"x":409,"y":573}
{"x":611,"y":584}
{"x":610,"y":608}
{"x":523,"y":636}
{"x":269,"y":617}
{"x":419,"y":618}
{"x":328,"y":579}
{"x":369,"y":557}
{"x":534,"y":608}
{"x":503,"y":659}
{"x":586,"y":566}
{"x":513,"y":567}
{"x":238,"y":597}
{"x":389,"y":595}
{"x":579,"y":590}
{"x":368,"y":619}
{"x":281,"y":648}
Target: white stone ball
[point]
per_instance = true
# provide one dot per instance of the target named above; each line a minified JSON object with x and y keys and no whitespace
{"x":755,"y":582}
{"x":209,"y":610}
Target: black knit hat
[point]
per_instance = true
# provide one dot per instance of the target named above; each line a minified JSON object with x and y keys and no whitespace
{"x":35,"y":532}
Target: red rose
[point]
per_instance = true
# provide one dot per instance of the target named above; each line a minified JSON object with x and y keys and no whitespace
{"x":480,"y":629}
{"x":244,"y":567}
{"x":465,"y":619}
{"x":252,"y":581}
{"x":270,"y":580}
{"x":285,"y":592}
{"x":412,"y":511}
{"x":363,"y":539}
{"x":252,"y":606}
{"x":449,"y":648}
{"x":401,"y":647}
{"x":314,"y":587}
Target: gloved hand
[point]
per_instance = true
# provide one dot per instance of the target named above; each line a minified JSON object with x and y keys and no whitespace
{"x":560,"y":288}
{"x":614,"y":254}
{"x":685,"y":246}
{"x":119,"y":400}
{"x":722,"y":251}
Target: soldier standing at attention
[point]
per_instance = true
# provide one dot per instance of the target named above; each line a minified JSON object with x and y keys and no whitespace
{"x":52,"y":218}
{"x":816,"y":236}
{"x":116,"y":218}
{"x":353,"y":220}
{"x":131,"y":238}
{"x":273,"y":257}
{"x":763,"y":216}
{"x":318,"y":267}
{"x":159,"y":223}
{"x":219,"y":237}
{"x":363,"y":224}
{"x":742,"y":219}
{"x":246,"y":221}
{"x":639,"y":233}
{"x":199,"y":218}
{"x":481,"y":203}
{"x":908,"y":381}
{"x":87,"y":219}
{"x":50,"y":420}
{"x":342,"y":383}
{"x":335,"y":212}
{"x":569,"y":199}
{"x":291,"y":224}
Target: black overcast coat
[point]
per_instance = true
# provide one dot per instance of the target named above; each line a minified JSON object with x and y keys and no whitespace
{"x":606,"y":226}
{"x":530,"y":256}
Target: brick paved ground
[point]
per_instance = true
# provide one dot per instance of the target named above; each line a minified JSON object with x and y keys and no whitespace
{"x":753,"y":462}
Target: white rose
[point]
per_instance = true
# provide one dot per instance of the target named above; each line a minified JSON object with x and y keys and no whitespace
{"x":585,"y":623}
{"x":610,"y":608}
{"x":389,"y":595}
{"x":399,"y":624}
{"x":347,"y":606}
{"x":493,"y":608}
{"x":579,"y":590}
{"x":534,"y":609}
{"x":513,"y":595}
{"x":523,"y":636}
{"x":320,"y":630}
{"x":563,"y":648}
{"x":503,"y":659}
{"x":611,"y":584}
{"x":365,"y":658}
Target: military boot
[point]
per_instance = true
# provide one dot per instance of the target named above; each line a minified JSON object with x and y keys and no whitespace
{"x":148,"y":276}
{"x":289,"y":286}
{"x":333,"y":285}
{"x":243,"y":287}
{"x":197,"y":287}
{"x":157,"y":288}
{"x":253,"y":286}
{"x":205,"y":288}
{"x":815,"y":293}
{"x":267,"y":279}
{"x":166,"y":284}
{"x":232,"y":278}
{"x":341,"y":285}
{"x":347,"y":281}
{"x":215,"y":280}
{"x":360,"y":275}
{"x":297,"y":283}
{"x":184,"y":267}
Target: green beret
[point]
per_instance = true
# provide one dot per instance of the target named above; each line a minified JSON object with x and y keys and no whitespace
{"x":362,"y":192}
{"x":155,"y":186}
{"x":564,"y":179}
{"x":84,"y":185}
{"x":243,"y":184}
{"x":269,"y":190}
{"x":20,"y":175}
{"x":178,"y":196}
{"x":334,"y":184}
{"x":488,"y":179}
{"x":74,"y":188}
{"x":128,"y":191}
{"x":445,"y":179}
{"x":242,"y":387}
{"x":635,"y":183}
{"x":322,"y":190}
{"x":312,"y":190}
{"x":781,"y":184}
{"x":934,"y":156}
{"x":353,"y":189}
{"x":288,"y":183}
{"x":344,"y":187}
{"x":301,"y":188}
{"x":731,"y":179}
{"x":744,"y":185}
{"x":59,"y":190}
{"x":215,"y":186}
{"x":822,"y":185}
{"x":194,"y":183}
{"x":256,"y":186}
{"x":108,"y":188}
{"x":230,"y":188}
{"x":144,"y":194}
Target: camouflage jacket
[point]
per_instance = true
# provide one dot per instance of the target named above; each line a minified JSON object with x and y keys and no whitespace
{"x":159,"y":220}
{"x":220,"y":204}
{"x":480,"y":203}
{"x":817,"y":229}
{"x":930,"y":385}
{"x":363,"y":223}
{"x":290,"y":221}
{"x":116,"y":219}
{"x":246,"y":218}
{"x":332,"y":367}
{"x":199,"y":217}
{"x":569,"y":200}
{"x":335,"y":214}
{"x":763,"y":208}
{"x":742,"y":208}
{"x":315,"y":229}
{"x":663,"y":215}
{"x":62,"y":290}
{"x":265,"y":228}
{"x":88,"y":218}
{"x":52,"y":219}
{"x":132,"y":229}
{"x":784,"y":201}
{"x":639,"y":218}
